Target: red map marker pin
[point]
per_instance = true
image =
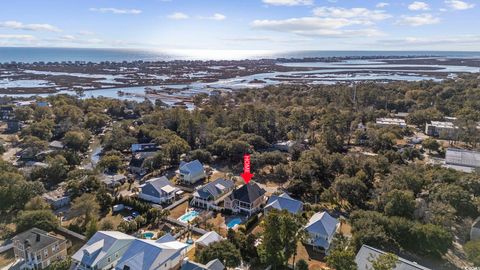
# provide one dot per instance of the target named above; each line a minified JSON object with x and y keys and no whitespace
{"x":246,"y":175}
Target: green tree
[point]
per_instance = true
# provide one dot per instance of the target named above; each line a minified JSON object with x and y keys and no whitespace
{"x":282,"y":231}
{"x":400,"y":203}
{"x":431,"y":144}
{"x":387,"y":261}
{"x":225,"y":251}
{"x":37,"y":203}
{"x":341,"y":257}
{"x":472,"y":249}
{"x":42,"y":219}
{"x":77,"y":140}
{"x":92,"y":228}
{"x":301,"y":265}
{"x":87,"y":207}
{"x":60,"y":265}
{"x":111,"y":163}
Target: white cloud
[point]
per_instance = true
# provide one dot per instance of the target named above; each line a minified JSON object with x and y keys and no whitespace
{"x":215,"y":17}
{"x":288,"y":2}
{"x":459,"y":5}
{"x":465,"y":41}
{"x":30,"y":27}
{"x":116,"y":11}
{"x":86,"y":33}
{"x":419,"y":20}
{"x":382,"y":5}
{"x":415,"y":6}
{"x":17,"y":37}
{"x":178,"y":16}
{"x":352,"y":13}
{"x":315,"y":26}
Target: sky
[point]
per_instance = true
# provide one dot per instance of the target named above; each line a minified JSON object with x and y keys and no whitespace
{"x":263,"y":25}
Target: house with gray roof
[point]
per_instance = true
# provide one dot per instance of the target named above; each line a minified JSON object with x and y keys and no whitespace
{"x":462,"y":160}
{"x":211,"y":265}
{"x":367,"y":254}
{"x":191,"y":172}
{"x":37,"y":249}
{"x":112,"y":181}
{"x":320,"y":229}
{"x":158,"y":190}
{"x":210,"y":194}
{"x":165,"y":253}
{"x":248,"y":199}
{"x":283,"y":202}
{"x":207,"y":239}
{"x":102,"y":251}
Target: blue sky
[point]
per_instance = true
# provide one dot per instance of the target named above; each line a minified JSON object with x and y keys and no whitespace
{"x":243,"y":24}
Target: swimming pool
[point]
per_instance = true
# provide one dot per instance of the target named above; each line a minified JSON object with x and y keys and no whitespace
{"x":188,"y":216}
{"x":234,"y":222}
{"x":148,"y":235}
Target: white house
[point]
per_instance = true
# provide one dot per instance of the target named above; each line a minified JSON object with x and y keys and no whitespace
{"x":158,"y":190}
{"x":207,"y":239}
{"x":163,"y":254}
{"x":321,"y":228}
{"x":191,"y":172}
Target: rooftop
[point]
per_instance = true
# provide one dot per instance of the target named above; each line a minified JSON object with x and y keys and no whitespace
{"x":37,"y":239}
{"x":462,"y":157}
{"x":248,"y":193}
{"x":367,"y":253}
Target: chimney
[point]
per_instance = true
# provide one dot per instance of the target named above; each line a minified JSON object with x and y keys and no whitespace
{"x":38,"y":237}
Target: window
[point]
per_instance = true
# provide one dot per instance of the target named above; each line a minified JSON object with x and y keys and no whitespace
{"x":109,"y":260}
{"x":45,"y":253}
{"x":116,"y":254}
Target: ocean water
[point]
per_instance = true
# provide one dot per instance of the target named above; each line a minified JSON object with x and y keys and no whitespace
{"x":30,"y":55}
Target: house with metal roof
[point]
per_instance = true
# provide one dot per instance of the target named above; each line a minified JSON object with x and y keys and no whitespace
{"x":248,"y":199}
{"x":211,"y":265}
{"x":102,"y":251}
{"x":442,"y":130}
{"x":144,"y":147}
{"x":191,"y":172}
{"x":209,"y":195}
{"x":37,"y":249}
{"x":283,"y":202}
{"x":320,"y":229}
{"x":207,"y":239}
{"x":158,"y":190}
{"x":164,"y":253}
{"x":367,"y":254}
{"x":462,"y":160}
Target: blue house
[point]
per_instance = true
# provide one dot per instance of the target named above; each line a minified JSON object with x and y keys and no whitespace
{"x":164,"y":253}
{"x":208,"y":196}
{"x":191,"y":172}
{"x":284,"y":202}
{"x":158,"y":190}
{"x":321,"y":228}
{"x":102,"y":251}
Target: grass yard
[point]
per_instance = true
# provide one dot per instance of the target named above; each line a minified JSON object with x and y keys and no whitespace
{"x":179,"y":210}
{"x":315,"y":260}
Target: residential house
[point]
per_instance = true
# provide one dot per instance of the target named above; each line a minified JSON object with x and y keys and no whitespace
{"x":367,"y":254}
{"x":462,"y":160}
{"x":475,"y":230}
{"x":56,"y":145}
{"x":158,"y":190}
{"x":208,"y":239}
{"x":102,"y":251}
{"x":144,"y":147}
{"x":442,"y":130}
{"x":113,"y":180}
{"x":388,"y":122}
{"x":284,"y":146}
{"x":321,"y":228}
{"x":208,"y":196}
{"x":163,"y":254}
{"x":37,"y":249}
{"x":137,"y":164}
{"x":284,"y":202}
{"x":191,"y":172}
{"x":211,"y":265}
{"x":248,"y":199}
{"x":57,"y":198}
{"x":6,"y":112}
